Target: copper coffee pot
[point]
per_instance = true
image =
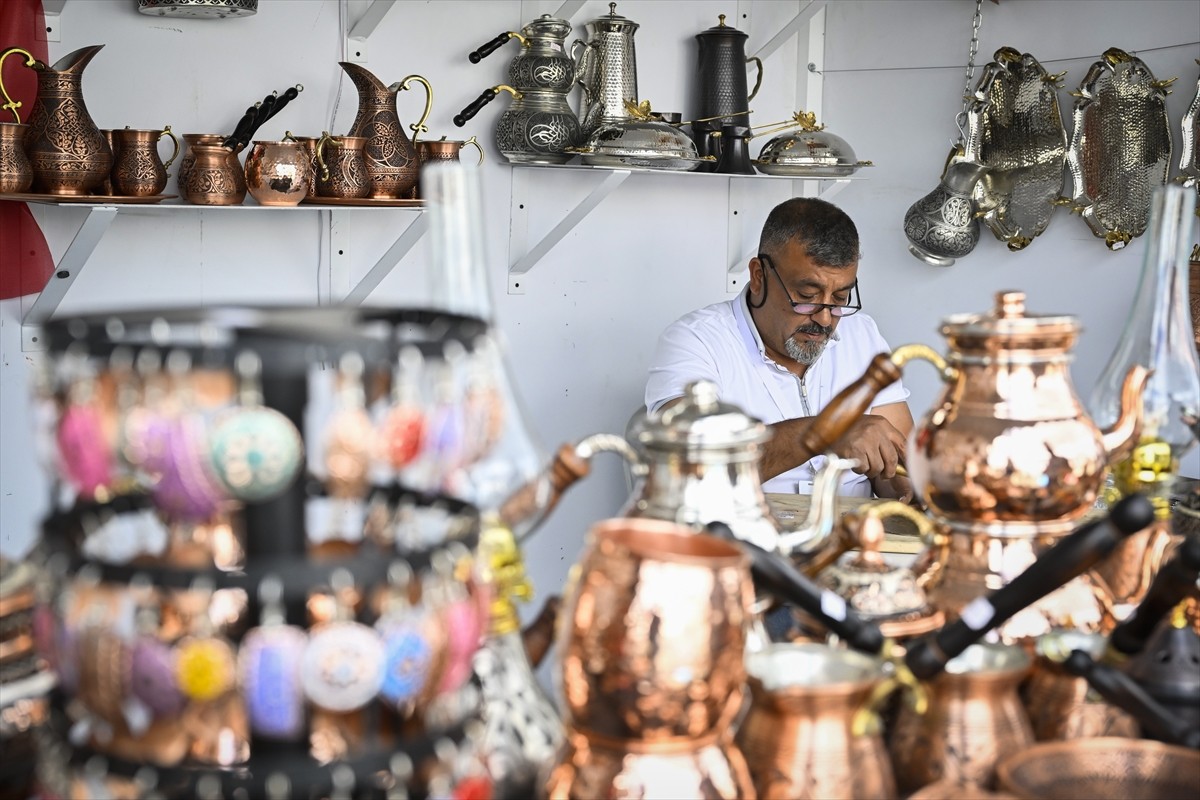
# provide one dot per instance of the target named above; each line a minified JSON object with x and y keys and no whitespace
{"x":1007,"y":460}
{"x":68,"y":153}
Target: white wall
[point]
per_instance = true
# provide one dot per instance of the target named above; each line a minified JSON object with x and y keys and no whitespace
{"x":582,"y":332}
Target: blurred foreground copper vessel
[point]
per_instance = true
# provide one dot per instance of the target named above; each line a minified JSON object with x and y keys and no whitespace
{"x":974,"y":720}
{"x":68,"y":153}
{"x":652,"y":633}
{"x":1059,"y":704}
{"x":1103,"y":769}
{"x":694,"y":770}
{"x":810,"y":731}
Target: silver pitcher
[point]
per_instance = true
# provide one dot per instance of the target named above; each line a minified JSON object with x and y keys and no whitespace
{"x":944,"y":224}
{"x":607,"y":70}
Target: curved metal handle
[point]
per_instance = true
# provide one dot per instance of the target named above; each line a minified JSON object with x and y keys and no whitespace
{"x":475,"y":143}
{"x":9,"y":103}
{"x":758,"y":80}
{"x":325,"y":138}
{"x":419,"y":127}
{"x":175,"y":140}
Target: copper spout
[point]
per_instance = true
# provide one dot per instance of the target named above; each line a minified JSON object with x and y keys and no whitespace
{"x":1120,"y":439}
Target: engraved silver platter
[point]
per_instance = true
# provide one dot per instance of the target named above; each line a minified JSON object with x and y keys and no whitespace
{"x":1189,"y":159}
{"x":1120,"y":149}
{"x":1015,"y":129}
{"x":640,"y":143}
{"x":809,"y":153}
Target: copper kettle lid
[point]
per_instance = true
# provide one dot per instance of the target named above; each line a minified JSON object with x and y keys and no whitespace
{"x":700,"y":422}
{"x":1009,"y":326}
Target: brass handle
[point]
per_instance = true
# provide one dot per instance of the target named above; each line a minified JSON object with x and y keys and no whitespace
{"x":894,"y":508}
{"x":168,"y":132}
{"x":758,"y":81}
{"x":910,"y":352}
{"x":9,"y":103}
{"x":419,"y":127}
{"x":475,"y":143}
{"x":325,"y":137}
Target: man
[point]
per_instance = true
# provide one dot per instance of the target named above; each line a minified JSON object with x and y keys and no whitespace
{"x":787,"y":345}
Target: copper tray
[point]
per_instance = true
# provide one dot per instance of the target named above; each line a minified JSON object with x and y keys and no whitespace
{"x":94,"y":199}
{"x":1015,"y":129}
{"x":381,"y":202}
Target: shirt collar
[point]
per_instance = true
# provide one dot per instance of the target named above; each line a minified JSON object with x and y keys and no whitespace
{"x":741,"y":308}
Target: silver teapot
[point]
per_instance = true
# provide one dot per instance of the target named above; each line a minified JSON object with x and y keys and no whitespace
{"x":607,"y":70}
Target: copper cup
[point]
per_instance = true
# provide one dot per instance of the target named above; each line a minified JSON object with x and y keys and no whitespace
{"x":16,"y":173}
{"x":652,"y":632}
{"x":342,"y":167}
{"x":138,"y":171}
{"x":278,"y":173}
{"x":214,"y":179}
{"x":444,"y":150}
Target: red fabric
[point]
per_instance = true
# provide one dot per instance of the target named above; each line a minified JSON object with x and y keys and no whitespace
{"x":25,"y":262}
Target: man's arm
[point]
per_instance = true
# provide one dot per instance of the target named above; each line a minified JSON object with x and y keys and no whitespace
{"x":874,"y":440}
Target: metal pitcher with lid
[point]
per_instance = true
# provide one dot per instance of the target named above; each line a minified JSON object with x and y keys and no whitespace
{"x":607,"y":70}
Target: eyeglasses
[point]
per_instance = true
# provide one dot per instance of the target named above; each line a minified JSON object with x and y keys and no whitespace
{"x":809,"y":309}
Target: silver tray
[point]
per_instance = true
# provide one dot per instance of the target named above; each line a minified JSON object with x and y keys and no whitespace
{"x":1120,"y":149}
{"x":663,"y":162}
{"x":1015,"y":129}
{"x":810,"y":170}
{"x":1189,"y":159}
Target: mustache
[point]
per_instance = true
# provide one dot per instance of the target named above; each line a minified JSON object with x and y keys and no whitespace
{"x":815,"y":329}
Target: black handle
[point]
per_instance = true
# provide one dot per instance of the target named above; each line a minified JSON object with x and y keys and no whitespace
{"x":1123,"y":692}
{"x":1071,"y":557}
{"x":243,"y":125}
{"x":1172,"y":582}
{"x":776,"y":574}
{"x":486,"y":50}
{"x":461,"y":117}
{"x":288,"y":96}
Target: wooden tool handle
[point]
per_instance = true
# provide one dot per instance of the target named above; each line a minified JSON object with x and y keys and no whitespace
{"x":567,"y":468}
{"x":847,"y":407}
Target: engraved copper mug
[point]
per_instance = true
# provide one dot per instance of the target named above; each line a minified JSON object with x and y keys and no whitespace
{"x":811,"y":730}
{"x":973,"y":721}
{"x":278,"y":173}
{"x":16,"y":173}
{"x":66,"y":150}
{"x":341,"y":166}
{"x":391,"y":158}
{"x":138,"y":170}
{"x":214,"y":178}
{"x":443,"y":150}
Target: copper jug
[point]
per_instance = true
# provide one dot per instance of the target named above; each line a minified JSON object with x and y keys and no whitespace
{"x":188,"y":159}
{"x":16,"y":173}
{"x":391,"y":158}
{"x":138,"y":171}
{"x":973,"y":721}
{"x":811,"y":730}
{"x":68,"y":153}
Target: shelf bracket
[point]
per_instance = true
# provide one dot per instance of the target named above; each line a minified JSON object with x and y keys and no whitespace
{"x":356,"y":39}
{"x":790,"y":29}
{"x":516,"y":272}
{"x":388,"y":261}
{"x":94,"y":226}
{"x":52,"y":12}
{"x":568,"y":10}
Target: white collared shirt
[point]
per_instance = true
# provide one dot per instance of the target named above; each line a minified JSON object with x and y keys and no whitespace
{"x":720,"y":343}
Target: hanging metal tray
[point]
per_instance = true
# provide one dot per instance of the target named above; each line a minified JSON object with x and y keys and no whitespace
{"x":1189,"y":159}
{"x":1120,"y":149}
{"x":1015,"y":129}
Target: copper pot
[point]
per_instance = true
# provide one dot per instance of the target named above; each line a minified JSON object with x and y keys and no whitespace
{"x":706,"y":770}
{"x":188,"y":158}
{"x":1059,"y":704}
{"x":214,"y":178}
{"x":652,"y":632}
{"x":810,"y":729}
{"x":278,"y":173}
{"x":16,"y":173}
{"x":341,"y":167}
{"x":974,"y":720}
{"x":138,"y":171}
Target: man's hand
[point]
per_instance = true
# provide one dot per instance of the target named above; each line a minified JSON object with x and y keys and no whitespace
{"x":877,"y":444}
{"x":897,"y":488}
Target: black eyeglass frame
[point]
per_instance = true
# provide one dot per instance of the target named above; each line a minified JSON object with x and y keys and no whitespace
{"x":809,"y":309}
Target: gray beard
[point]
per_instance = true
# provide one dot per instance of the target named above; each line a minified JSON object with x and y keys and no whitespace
{"x":804,"y":352}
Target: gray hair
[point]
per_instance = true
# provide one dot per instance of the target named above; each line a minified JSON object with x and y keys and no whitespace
{"x":827,"y":233}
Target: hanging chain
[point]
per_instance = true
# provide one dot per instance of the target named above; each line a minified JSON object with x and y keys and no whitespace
{"x":961,"y":118}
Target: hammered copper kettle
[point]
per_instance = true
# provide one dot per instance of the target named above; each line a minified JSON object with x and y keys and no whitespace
{"x":67,"y":152}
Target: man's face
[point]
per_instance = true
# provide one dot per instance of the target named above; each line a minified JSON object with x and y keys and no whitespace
{"x":797,"y":337}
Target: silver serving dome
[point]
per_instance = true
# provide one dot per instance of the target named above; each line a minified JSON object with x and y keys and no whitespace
{"x":810,"y":152}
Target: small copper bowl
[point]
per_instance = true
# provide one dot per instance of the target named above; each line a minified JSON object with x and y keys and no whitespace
{"x":1107,"y":768}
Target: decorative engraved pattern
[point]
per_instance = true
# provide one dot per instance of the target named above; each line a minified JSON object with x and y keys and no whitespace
{"x":611,"y":78}
{"x":16,"y":173}
{"x":391,"y":159}
{"x":537,"y":136}
{"x":206,"y":9}
{"x":138,"y":171}
{"x":66,"y":150}
{"x":1120,"y":148}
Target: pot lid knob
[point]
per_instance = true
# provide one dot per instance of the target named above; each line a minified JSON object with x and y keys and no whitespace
{"x":1010,"y":305}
